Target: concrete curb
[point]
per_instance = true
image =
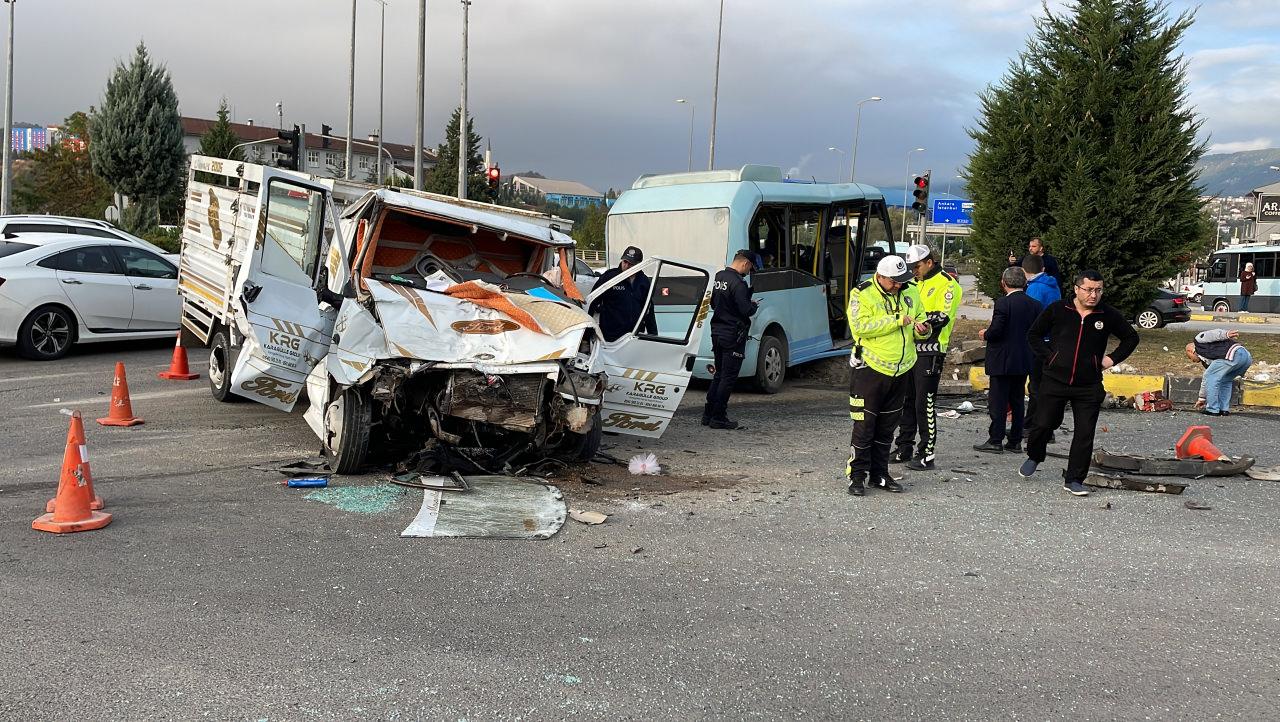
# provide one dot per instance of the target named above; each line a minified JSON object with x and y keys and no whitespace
{"x":1173,"y":387}
{"x":1235,"y":317}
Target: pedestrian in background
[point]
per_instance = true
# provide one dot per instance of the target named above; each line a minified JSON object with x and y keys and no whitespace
{"x":732,"y":309}
{"x":1035,"y":247}
{"x":1008,"y":360}
{"x":940,"y":295}
{"x":1224,"y":359}
{"x":886,"y":319}
{"x":1248,"y":286}
{"x":1074,"y":358}
{"x":1044,"y":289}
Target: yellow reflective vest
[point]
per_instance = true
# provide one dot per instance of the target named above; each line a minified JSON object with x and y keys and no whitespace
{"x":880,"y":338}
{"x":940,"y":295}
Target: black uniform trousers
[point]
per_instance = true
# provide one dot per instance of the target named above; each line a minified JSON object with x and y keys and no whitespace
{"x":875,"y":406}
{"x":919,"y":413}
{"x":1033,"y":391}
{"x":1086,"y":402}
{"x":1005,"y":393}
{"x":728,"y":361}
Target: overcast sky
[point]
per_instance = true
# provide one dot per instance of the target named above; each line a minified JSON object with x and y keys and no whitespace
{"x":586,"y":89}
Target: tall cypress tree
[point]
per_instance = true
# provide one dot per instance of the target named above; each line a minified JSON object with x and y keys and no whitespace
{"x":220,"y":141}
{"x":1088,"y":141}
{"x":137,"y":138}
{"x":443,"y":176}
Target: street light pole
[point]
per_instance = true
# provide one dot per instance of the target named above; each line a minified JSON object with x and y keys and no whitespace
{"x":715,"y":91}
{"x":6,"y":177}
{"x":692,"y":110}
{"x":422,"y":74}
{"x":906,"y":191}
{"x":382,"y":77}
{"x":351,"y":96}
{"x":853,"y":162}
{"x":839,"y":162}
{"x":463,"y":135}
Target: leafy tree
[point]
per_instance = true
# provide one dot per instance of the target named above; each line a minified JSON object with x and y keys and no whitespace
{"x":588,"y":230}
{"x":60,"y":179}
{"x":137,"y":138}
{"x":220,"y":140}
{"x":1088,"y":141}
{"x":443,"y":176}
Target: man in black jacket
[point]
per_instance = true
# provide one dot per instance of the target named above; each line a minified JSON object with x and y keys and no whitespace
{"x":732,"y":308}
{"x":1035,"y":247}
{"x":1074,"y":358}
{"x":620,"y":307}
{"x":1008,"y":359}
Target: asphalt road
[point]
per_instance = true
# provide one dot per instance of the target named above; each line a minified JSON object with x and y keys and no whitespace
{"x":766,"y":593}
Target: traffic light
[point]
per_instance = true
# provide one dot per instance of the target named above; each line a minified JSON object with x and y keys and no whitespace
{"x":492,"y":177}
{"x":921,"y":193}
{"x":288,"y":153}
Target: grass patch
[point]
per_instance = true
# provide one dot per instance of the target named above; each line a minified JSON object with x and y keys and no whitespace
{"x":1151,"y":356}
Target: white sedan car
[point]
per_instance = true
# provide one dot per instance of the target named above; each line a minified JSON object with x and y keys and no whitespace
{"x":57,"y":290}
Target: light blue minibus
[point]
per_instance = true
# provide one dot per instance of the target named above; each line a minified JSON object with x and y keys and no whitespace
{"x":807,"y":235}
{"x":1222,"y":279}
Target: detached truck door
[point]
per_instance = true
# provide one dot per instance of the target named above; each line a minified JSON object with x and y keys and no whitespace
{"x":280,"y":297}
{"x":649,"y":368}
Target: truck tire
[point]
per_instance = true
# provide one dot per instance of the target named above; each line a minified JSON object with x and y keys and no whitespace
{"x":347,"y":421}
{"x":222,"y":359}
{"x":1221,"y":306}
{"x":771,"y":364}
{"x":589,"y":443}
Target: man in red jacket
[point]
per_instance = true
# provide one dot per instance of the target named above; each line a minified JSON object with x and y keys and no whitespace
{"x":1074,"y":357}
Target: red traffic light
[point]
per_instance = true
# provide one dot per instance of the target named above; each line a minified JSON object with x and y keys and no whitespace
{"x":494,"y":173}
{"x":922,"y":181}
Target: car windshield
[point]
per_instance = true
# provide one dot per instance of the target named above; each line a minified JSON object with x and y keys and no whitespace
{"x":8,"y":248}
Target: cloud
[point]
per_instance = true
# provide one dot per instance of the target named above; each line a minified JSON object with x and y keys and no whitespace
{"x":1242,"y":145}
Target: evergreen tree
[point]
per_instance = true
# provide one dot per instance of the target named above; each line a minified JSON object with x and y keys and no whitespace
{"x":220,"y":141}
{"x":1088,"y":142}
{"x":137,"y":138}
{"x":443,"y":176}
{"x":60,"y":179}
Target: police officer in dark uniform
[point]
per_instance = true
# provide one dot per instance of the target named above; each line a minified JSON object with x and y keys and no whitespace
{"x":621,"y":306}
{"x":732,"y":308}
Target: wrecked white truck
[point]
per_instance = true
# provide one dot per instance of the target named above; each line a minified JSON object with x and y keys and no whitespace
{"x":419,"y":319}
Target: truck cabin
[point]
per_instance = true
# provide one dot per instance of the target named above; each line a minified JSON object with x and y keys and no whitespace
{"x":424,"y":248}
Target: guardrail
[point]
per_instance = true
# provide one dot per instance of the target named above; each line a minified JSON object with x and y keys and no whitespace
{"x":595,"y":259}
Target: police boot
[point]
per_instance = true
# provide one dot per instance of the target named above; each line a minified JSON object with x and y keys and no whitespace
{"x":707,"y":413}
{"x":856,"y":484}
{"x":886,"y":482}
{"x":921,"y":463}
{"x":724,"y":422}
{"x":902,"y":454}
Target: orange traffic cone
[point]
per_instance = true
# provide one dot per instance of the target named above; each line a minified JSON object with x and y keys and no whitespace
{"x":1197,"y":442}
{"x":74,"y":494}
{"x":75,"y":436}
{"x":121,"y":413}
{"x":178,"y":370}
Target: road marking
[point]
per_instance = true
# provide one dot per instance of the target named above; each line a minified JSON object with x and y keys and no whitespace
{"x":132,"y":397}
{"x":45,"y":377}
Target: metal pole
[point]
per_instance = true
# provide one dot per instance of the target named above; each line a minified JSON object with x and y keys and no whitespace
{"x":463,"y":135}
{"x":693,"y":109}
{"x":351,"y":96}
{"x":422,"y":63}
{"x":6,"y":178}
{"x":906,"y":192}
{"x":853,"y":160}
{"x":715,"y":91}
{"x":382,"y":77}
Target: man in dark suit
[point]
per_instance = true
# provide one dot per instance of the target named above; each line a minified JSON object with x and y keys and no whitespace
{"x":1008,"y":359}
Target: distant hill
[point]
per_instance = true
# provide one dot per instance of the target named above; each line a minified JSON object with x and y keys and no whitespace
{"x":1235,"y":174}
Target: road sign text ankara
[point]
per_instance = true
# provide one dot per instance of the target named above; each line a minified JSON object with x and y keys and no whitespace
{"x":953,"y":211}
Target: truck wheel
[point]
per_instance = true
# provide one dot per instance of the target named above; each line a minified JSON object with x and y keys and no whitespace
{"x":1221,"y":306}
{"x":771,"y":364}
{"x":222,"y":359}
{"x":347,"y":420}
{"x":589,"y":443}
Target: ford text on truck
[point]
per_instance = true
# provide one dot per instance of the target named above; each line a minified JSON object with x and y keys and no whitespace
{"x":416,"y":317}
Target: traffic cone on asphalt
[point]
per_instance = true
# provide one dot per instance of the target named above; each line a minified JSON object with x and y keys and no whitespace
{"x":74,"y":497}
{"x":1197,"y":442}
{"x":121,"y":413}
{"x":75,"y":436}
{"x":178,"y":370}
